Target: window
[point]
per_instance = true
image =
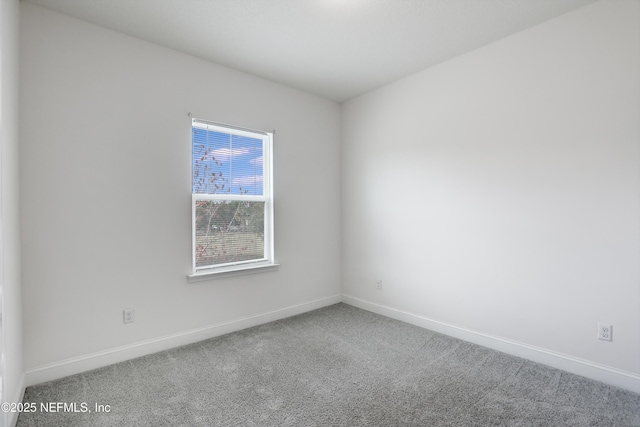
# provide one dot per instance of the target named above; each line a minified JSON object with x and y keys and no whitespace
{"x":232,"y":198}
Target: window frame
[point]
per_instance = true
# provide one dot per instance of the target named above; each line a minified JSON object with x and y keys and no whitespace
{"x":248,"y":266}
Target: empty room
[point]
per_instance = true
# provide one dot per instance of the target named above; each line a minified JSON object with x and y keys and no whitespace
{"x":320,"y":212}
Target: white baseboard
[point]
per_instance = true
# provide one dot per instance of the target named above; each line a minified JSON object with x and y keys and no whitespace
{"x":99,"y":359}
{"x":585,"y":368}
{"x":595,"y":371}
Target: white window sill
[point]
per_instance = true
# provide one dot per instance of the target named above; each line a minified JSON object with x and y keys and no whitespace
{"x":238,"y":271}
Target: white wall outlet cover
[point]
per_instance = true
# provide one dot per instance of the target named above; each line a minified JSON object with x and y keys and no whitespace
{"x":605,"y":332}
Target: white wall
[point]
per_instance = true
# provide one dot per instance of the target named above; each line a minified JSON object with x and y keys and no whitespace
{"x":499,"y":192}
{"x":105,"y":176}
{"x":10,"y":220}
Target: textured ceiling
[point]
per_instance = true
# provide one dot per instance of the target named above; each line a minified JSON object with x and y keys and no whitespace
{"x":336,"y":49}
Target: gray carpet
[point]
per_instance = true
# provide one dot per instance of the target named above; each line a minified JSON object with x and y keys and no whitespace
{"x":337,"y":366}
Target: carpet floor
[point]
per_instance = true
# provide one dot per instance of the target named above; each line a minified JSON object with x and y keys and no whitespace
{"x":337,"y":366}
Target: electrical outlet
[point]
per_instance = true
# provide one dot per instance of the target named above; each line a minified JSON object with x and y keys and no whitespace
{"x":605,"y":332}
{"x":379,"y":285}
{"x":129,"y":315}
